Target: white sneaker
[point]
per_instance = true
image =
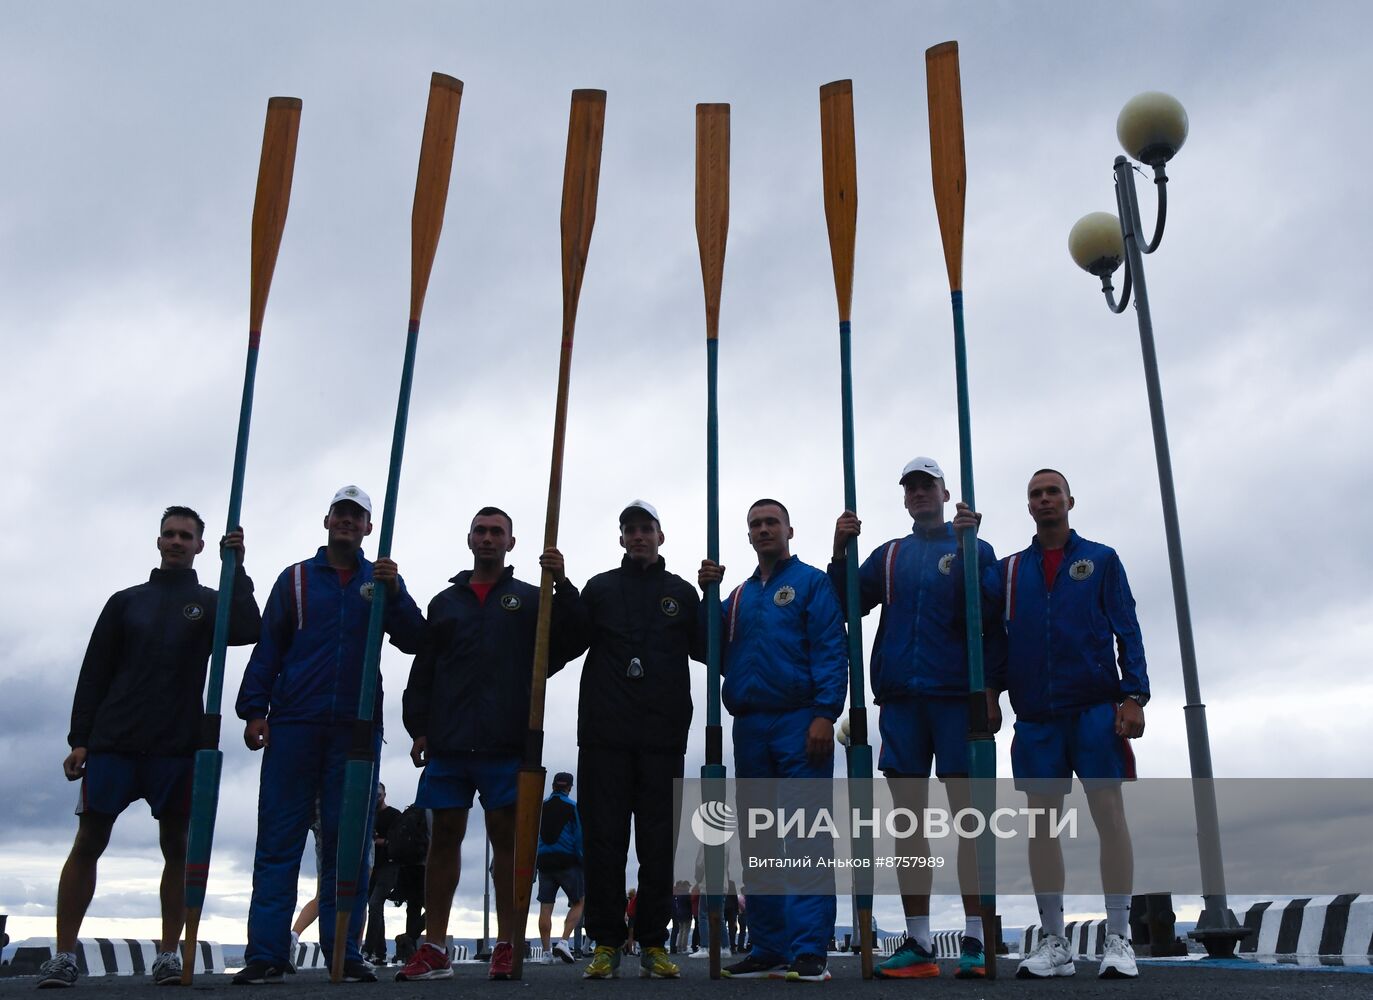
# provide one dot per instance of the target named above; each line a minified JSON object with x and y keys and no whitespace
{"x":563,"y":951}
{"x":1118,"y":959}
{"x":546,"y":958}
{"x":1051,"y":957}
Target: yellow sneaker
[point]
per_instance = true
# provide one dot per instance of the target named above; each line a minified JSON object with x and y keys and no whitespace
{"x":654,"y":962}
{"x":604,"y":964}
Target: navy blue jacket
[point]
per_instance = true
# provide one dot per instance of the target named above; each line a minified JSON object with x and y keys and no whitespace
{"x":469,"y":687}
{"x":784,"y":644}
{"x":307,"y":666}
{"x":1073,"y":646}
{"x":921,"y":646}
{"x":143,"y":677}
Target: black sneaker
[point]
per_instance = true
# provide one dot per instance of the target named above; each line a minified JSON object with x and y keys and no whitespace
{"x":808,"y":969}
{"x":258,"y":973}
{"x":355,"y":970}
{"x":754,"y":967}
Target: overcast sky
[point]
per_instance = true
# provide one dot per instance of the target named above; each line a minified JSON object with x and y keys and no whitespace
{"x":132,"y":137}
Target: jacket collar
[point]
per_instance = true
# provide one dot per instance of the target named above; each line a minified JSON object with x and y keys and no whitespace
{"x":630,"y":566}
{"x":1068,"y":546}
{"x":781,"y":567}
{"x":322,"y":557}
{"x":173,"y":576}
{"x":464,"y":579}
{"x":944,"y":530}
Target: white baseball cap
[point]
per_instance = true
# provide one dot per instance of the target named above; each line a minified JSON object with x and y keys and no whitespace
{"x":644,"y":506}
{"x":353,"y":495}
{"x":921,"y":464}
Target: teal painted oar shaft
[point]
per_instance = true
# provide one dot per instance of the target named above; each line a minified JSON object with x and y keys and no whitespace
{"x":981,"y":746}
{"x":712,"y":605}
{"x":209,"y":760}
{"x":360,"y":772}
{"x":214,"y":690}
{"x":858,"y":727}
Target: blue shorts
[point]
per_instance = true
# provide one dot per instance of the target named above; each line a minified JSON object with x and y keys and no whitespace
{"x":452,"y":782}
{"x":113,"y":781}
{"x":1046,"y":755}
{"x":919,"y":731}
{"x":569,"y":880}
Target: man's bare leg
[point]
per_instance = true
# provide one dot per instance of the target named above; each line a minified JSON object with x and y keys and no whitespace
{"x":1046,"y":861}
{"x":545,"y":924}
{"x":76,"y":887}
{"x":574,"y":917}
{"x":500,"y":828}
{"x":171,"y":834}
{"x":441,"y":872}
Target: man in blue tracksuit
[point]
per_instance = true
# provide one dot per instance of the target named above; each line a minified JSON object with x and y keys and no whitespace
{"x":786,"y":674}
{"x":299,"y":699}
{"x":920,"y":679}
{"x":1076,"y":675}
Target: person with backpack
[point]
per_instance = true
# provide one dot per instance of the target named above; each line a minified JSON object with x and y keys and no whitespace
{"x":559,"y":863}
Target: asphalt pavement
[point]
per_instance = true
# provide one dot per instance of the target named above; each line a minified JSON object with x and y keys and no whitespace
{"x":1162,"y":981}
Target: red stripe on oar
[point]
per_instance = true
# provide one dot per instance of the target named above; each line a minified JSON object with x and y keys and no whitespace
{"x":414,"y":326}
{"x":253,"y":337}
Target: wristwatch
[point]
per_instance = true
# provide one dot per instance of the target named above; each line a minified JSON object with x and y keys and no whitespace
{"x":1139,"y":699}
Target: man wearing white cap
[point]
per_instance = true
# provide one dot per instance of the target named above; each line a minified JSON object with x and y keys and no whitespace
{"x":640,"y":623}
{"x":299,"y":698}
{"x":919,"y":671}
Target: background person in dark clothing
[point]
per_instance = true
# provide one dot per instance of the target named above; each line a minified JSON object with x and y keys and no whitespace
{"x":384,"y":874}
{"x":640,"y":624}
{"x":136,"y":722}
{"x":681,"y":917}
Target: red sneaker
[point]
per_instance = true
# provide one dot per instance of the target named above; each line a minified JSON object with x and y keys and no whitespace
{"x":502,"y":961}
{"x":428,"y":962}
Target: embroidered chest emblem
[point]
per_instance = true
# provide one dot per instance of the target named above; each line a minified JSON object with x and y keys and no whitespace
{"x":1081,"y":569}
{"x":670,"y":606}
{"x":511,"y":602}
{"x":946,"y":563}
{"x":367,"y":590}
{"x":193,"y":612}
{"x":784,"y":596}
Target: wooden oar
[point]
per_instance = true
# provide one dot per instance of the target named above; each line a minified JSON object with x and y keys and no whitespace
{"x":841,"y":216}
{"x":274,"y":174}
{"x":712,"y":229}
{"x":581,"y":177}
{"x":426,"y":222}
{"x":949,"y":170}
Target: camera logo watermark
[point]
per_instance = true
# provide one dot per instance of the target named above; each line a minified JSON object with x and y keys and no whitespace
{"x":713,"y":823}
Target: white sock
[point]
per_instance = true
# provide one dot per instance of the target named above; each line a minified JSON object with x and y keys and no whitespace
{"x":1118,"y":914}
{"x":1050,"y":912}
{"x":69,"y":954}
{"x":972,"y":928}
{"x":918,"y":930}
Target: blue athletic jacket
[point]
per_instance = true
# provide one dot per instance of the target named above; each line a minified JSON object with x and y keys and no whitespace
{"x":307,"y":666}
{"x":784,"y":644}
{"x":560,"y":834}
{"x":921,"y":646}
{"x":1064,"y":645}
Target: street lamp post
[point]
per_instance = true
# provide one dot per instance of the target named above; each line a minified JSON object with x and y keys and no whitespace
{"x":1152,"y":127}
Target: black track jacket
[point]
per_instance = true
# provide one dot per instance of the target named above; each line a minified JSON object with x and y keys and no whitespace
{"x":650,"y":614}
{"x":469,"y":686}
{"x":144,"y":674}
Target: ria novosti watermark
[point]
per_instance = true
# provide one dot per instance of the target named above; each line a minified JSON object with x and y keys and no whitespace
{"x":1281,"y":836}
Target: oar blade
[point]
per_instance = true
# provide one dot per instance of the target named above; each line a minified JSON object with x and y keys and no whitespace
{"x":712,"y":204}
{"x":948,"y":165}
{"x":431,"y":186}
{"x":273,"y":198}
{"x":581,"y":181}
{"x":841,"y":184}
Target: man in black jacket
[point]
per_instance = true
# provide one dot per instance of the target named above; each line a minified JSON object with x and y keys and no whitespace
{"x":467,"y":708}
{"x":640,"y":623}
{"x":136,"y":721}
